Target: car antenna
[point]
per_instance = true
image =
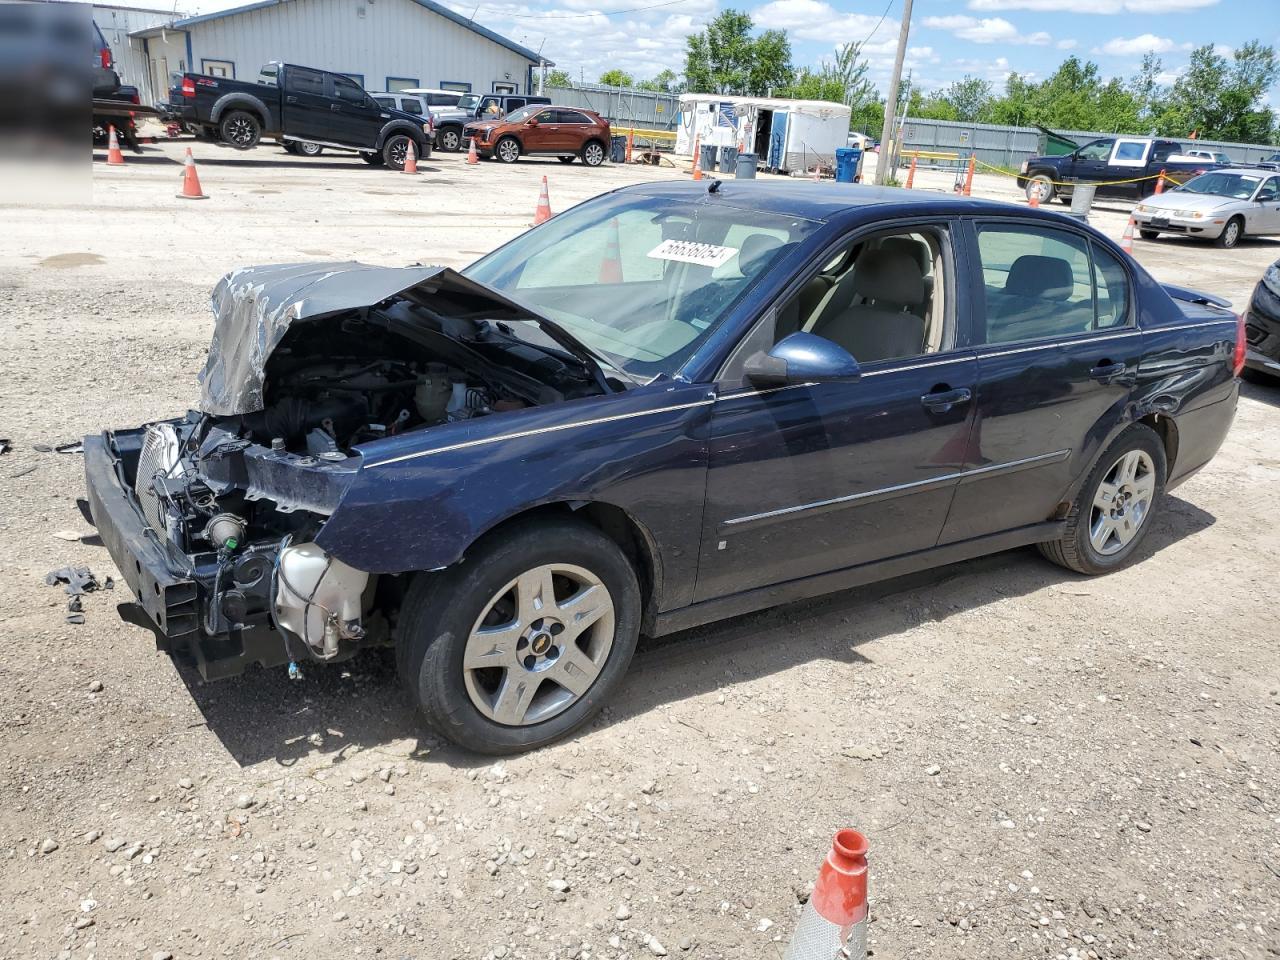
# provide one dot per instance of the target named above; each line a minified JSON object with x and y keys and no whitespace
{"x":713,"y":186}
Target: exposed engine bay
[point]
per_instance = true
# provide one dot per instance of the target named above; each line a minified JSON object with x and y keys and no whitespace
{"x":236,"y":492}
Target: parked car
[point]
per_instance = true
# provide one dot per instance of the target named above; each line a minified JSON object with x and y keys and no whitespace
{"x":564,"y":132}
{"x":105,"y":80}
{"x":1262,"y":324}
{"x":472,"y":106}
{"x":1213,"y":156}
{"x":1222,"y":205}
{"x":664,"y":406}
{"x":1117,"y":166}
{"x":1271,"y":163}
{"x":301,"y":104}
{"x":415,"y":105}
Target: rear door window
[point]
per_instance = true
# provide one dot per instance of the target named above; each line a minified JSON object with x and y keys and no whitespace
{"x":1044,"y":283}
{"x":572,"y":116}
{"x":306,"y":81}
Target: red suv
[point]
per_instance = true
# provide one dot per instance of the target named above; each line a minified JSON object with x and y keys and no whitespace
{"x":564,"y":132}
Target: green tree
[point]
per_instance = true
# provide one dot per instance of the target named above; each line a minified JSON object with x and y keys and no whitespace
{"x":969,"y":98}
{"x":1224,"y":99}
{"x":727,"y":58}
{"x":617,"y":78}
{"x":665,"y":82}
{"x":558,"y":78}
{"x":1145,"y":87}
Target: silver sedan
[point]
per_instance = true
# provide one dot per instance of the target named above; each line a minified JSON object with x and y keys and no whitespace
{"x":1221,"y":205}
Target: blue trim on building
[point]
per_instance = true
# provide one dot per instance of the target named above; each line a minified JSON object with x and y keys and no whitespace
{"x":191,"y":57}
{"x":428,"y":4}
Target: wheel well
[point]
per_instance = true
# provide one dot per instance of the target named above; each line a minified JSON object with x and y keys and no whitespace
{"x":1168,"y":431}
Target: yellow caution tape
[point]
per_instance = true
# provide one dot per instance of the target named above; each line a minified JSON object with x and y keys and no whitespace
{"x":1040,"y":178}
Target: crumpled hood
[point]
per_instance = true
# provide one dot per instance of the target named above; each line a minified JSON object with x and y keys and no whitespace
{"x":254,"y":308}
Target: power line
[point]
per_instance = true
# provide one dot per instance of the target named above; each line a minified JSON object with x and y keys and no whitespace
{"x":887,"y":7}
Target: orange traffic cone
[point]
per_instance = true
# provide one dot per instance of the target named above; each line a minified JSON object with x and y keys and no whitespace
{"x":697,"y":157}
{"x":1126,"y":241}
{"x":471,"y":154}
{"x":631,"y":143}
{"x":968,"y":179}
{"x":114,"y":157}
{"x":911,"y":173}
{"x":1160,"y":183}
{"x":834,"y":921}
{"x":611,"y":265}
{"x":190,"y":180}
{"x":543,"y":213}
{"x":410,"y":159}
{"x":1033,"y":198}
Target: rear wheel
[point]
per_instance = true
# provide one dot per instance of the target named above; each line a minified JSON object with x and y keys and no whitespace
{"x":290,"y":146}
{"x":1111,"y":515}
{"x":1148,"y":234}
{"x":308,"y":149}
{"x":523,"y":641}
{"x":593,"y":153}
{"x":1231,"y":234}
{"x":240,"y":129}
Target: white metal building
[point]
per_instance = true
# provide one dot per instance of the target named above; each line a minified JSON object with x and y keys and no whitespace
{"x":117,"y":25}
{"x":381,"y":44}
{"x":784,"y":134}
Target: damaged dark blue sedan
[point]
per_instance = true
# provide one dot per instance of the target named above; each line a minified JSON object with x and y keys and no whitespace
{"x":668,"y":405}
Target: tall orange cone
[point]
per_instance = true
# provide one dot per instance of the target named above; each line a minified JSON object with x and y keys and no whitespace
{"x":1126,"y":241}
{"x":968,"y":178}
{"x":911,"y":172}
{"x":631,"y":143}
{"x":410,"y":159}
{"x":697,"y":157}
{"x":611,"y":265}
{"x":471,"y":154}
{"x":1033,"y":198}
{"x":834,"y":921}
{"x":1160,"y":183}
{"x":543,"y":213}
{"x":114,"y":157}
{"x":190,"y":180}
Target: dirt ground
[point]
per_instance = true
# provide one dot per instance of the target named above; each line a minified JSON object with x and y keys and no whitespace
{"x":1046,"y":765}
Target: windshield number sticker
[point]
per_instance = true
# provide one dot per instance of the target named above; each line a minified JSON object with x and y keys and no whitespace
{"x":686,"y":251}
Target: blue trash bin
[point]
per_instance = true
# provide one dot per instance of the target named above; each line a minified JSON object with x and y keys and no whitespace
{"x":617,"y":149}
{"x":746,"y":167}
{"x":847,"y":159}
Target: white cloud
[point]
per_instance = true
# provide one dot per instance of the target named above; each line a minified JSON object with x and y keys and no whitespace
{"x":1135,"y":46}
{"x":818,"y":20}
{"x":1091,"y":6}
{"x":1065,"y":44}
{"x":985,"y":30}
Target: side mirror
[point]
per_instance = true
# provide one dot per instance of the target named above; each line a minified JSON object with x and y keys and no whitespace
{"x":802,"y":358}
{"x":531,"y":122}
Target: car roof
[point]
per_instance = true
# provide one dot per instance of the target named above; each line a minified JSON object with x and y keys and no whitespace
{"x":1249,"y":171}
{"x":823,"y":200}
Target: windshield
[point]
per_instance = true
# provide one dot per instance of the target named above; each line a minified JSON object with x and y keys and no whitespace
{"x":468,"y":101}
{"x":641,"y":280}
{"x":524,"y":113}
{"x":1238,"y":186}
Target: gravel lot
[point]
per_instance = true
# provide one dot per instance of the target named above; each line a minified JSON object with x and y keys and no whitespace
{"x":1046,"y":766}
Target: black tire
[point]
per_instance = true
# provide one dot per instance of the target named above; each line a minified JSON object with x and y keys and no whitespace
{"x":1076,"y":550}
{"x":1149,"y":234}
{"x":566,"y":159}
{"x":395,"y":150}
{"x":305,"y":148}
{"x":507,"y":150}
{"x":240,"y":129}
{"x":372,"y":159}
{"x":441,"y":610}
{"x":593,"y":153}
{"x":1231,"y":234}
{"x":449,"y":139}
{"x":290,"y":146}
{"x":1041,"y":184}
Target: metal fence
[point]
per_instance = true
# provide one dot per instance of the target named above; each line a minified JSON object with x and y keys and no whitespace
{"x":1008,"y":146}
{"x":621,"y":106}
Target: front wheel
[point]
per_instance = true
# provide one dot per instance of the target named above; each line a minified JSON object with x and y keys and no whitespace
{"x":308,"y":149}
{"x":449,"y":139}
{"x":240,"y":129}
{"x":593,"y":154}
{"x":1111,"y":515}
{"x":523,"y":641}
{"x":1149,"y":234}
{"x":1231,"y":234}
{"x":507,"y":150}
{"x":1040,"y":187}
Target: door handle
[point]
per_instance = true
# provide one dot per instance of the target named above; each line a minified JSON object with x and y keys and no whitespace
{"x":943,"y":401}
{"x":1107,"y":371}
{"x":290,"y":99}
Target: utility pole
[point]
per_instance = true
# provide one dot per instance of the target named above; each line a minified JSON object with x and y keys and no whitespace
{"x":888,"y":145}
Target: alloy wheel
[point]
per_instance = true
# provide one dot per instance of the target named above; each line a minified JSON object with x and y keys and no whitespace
{"x":240,"y":130}
{"x":1122,"y":502}
{"x":539,"y":644}
{"x":508,"y":151}
{"x":593,"y":155}
{"x":1231,"y":234}
{"x":399,"y":151}
{"x":449,"y":140}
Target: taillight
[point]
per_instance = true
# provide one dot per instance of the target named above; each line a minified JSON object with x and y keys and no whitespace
{"x":188,"y":87}
{"x":105,"y":54}
{"x":1242,"y":347}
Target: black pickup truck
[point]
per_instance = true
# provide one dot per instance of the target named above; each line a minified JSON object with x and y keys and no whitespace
{"x":1133,"y":161}
{"x":301,"y":104}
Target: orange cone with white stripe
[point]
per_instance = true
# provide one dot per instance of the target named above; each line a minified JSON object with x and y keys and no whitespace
{"x":1126,"y":241}
{"x":834,"y":921}
{"x":410,"y":159}
{"x":190,"y":180}
{"x":543,"y":213}
{"x":697,"y":157}
{"x":611,"y":265}
{"x":471,"y":154}
{"x":114,"y":157}
{"x":1033,"y":198}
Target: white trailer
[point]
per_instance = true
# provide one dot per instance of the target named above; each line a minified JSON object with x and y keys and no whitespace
{"x":787,"y":135}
